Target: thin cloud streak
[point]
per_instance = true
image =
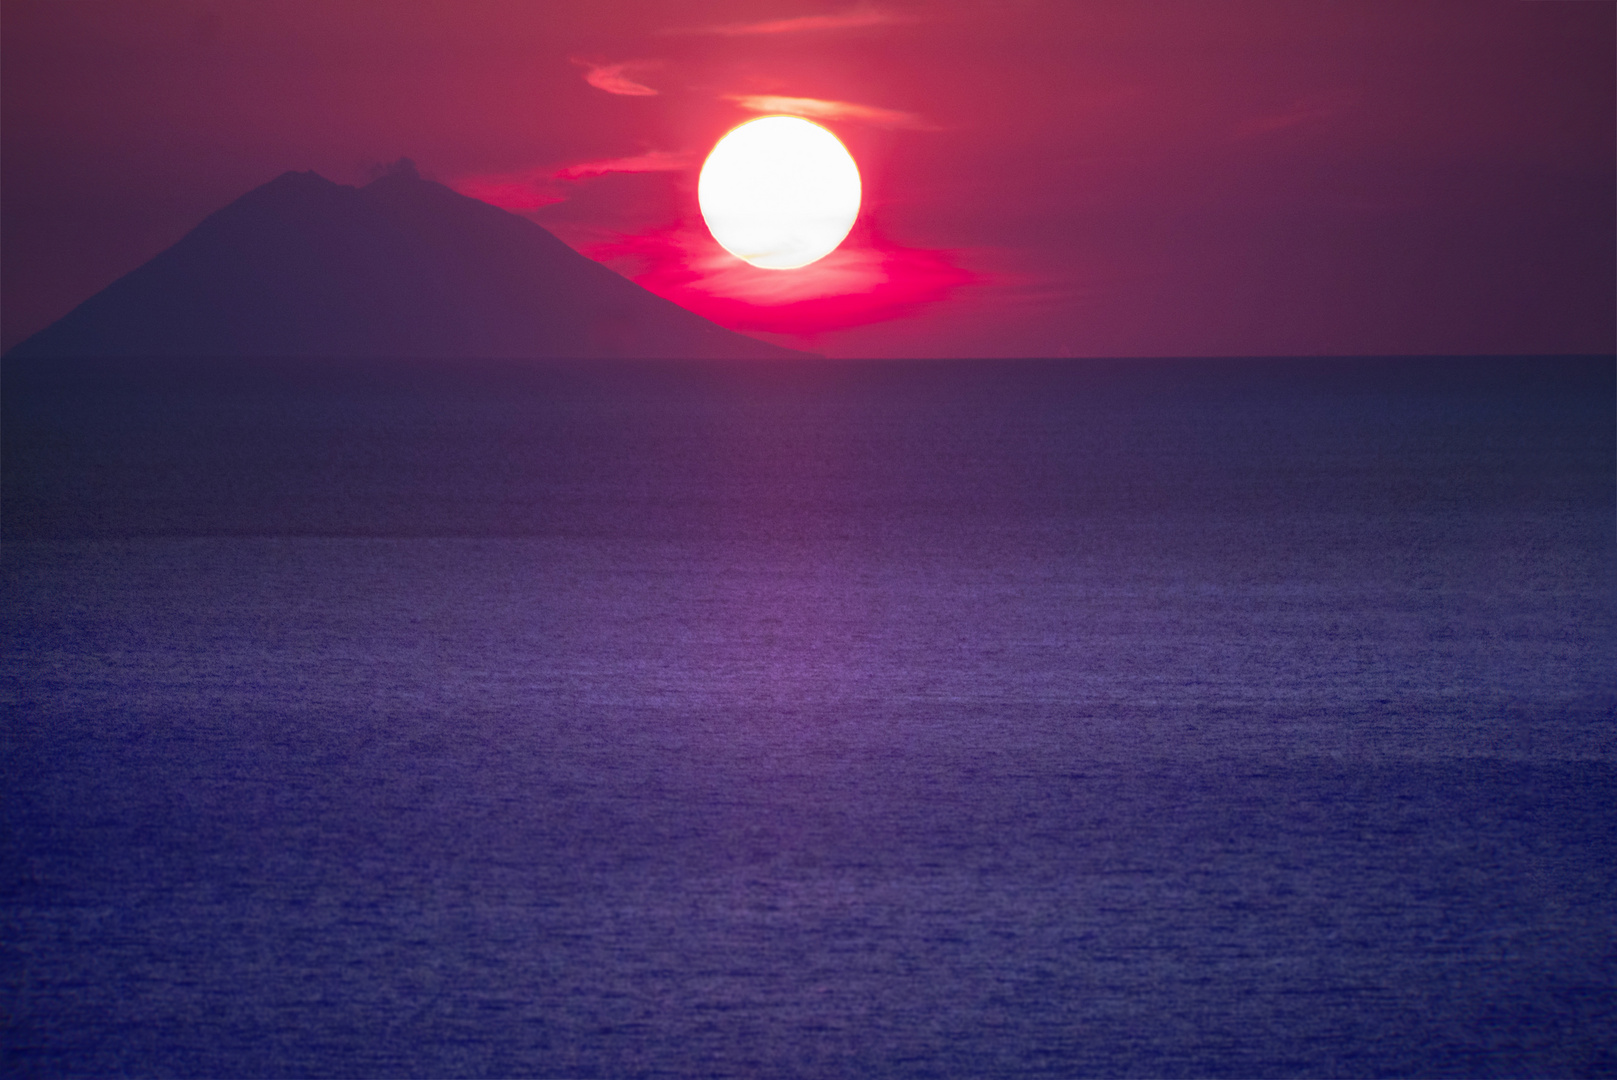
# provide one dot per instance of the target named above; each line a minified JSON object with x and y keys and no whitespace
{"x":849,"y":20}
{"x":611,"y":78}
{"x":1305,"y":111}
{"x":518,"y":192}
{"x":817,"y":108}
{"x":652,"y":161}
{"x":532,"y":188}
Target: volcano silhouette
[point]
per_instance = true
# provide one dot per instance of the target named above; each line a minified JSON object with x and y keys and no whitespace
{"x":403,"y":267}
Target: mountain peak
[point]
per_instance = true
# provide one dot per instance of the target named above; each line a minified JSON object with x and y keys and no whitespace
{"x":304,"y":266}
{"x":292,"y":180}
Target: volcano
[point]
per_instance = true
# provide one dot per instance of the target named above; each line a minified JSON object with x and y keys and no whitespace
{"x":402,"y":267}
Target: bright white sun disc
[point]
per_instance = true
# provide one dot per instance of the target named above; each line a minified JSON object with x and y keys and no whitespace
{"x":780,"y":192}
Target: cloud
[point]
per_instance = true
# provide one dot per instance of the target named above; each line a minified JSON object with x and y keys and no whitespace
{"x":511,"y":191}
{"x":611,"y":78}
{"x":848,"y":20}
{"x":651,"y":161}
{"x":866,"y":280}
{"x":532,"y":188}
{"x":1304,"y":111}
{"x":829,"y":110}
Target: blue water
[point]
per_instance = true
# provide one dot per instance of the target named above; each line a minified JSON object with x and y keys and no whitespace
{"x":1151,"y":718}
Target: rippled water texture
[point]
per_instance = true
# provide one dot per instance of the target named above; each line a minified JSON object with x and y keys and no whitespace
{"x":903,"y":719}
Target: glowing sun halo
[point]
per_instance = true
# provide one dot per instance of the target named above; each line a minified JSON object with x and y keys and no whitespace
{"x":780,"y":192}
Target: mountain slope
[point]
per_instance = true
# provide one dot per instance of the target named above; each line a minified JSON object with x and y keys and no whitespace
{"x":402,"y":267}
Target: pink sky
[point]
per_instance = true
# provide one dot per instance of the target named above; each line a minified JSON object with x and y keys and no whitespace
{"x":1041,"y":179}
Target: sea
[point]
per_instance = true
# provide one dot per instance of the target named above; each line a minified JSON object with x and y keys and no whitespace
{"x":999,"y":718}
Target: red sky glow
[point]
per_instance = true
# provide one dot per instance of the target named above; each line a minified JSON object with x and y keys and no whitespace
{"x":1040,"y":178}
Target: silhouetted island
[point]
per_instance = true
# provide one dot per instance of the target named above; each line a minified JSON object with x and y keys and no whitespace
{"x":402,"y":267}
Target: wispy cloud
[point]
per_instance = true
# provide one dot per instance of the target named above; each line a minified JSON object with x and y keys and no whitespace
{"x":651,"y":161}
{"x":612,"y":78}
{"x":532,"y":188}
{"x":517,"y":192}
{"x":848,"y":20}
{"x":1305,"y":111}
{"x":829,"y":110}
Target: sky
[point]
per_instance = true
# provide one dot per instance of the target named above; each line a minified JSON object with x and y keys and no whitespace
{"x":1064,"y":178}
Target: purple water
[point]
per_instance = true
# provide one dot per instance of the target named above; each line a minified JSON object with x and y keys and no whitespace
{"x":916,"y":719}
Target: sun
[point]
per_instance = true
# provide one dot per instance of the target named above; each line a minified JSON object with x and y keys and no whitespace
{"x":780,"y":192}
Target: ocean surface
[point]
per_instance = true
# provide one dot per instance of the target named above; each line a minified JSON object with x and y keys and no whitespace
{"x":913,"y":719}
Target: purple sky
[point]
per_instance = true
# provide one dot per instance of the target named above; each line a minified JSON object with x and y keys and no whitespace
{"x":1041,"y":179}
